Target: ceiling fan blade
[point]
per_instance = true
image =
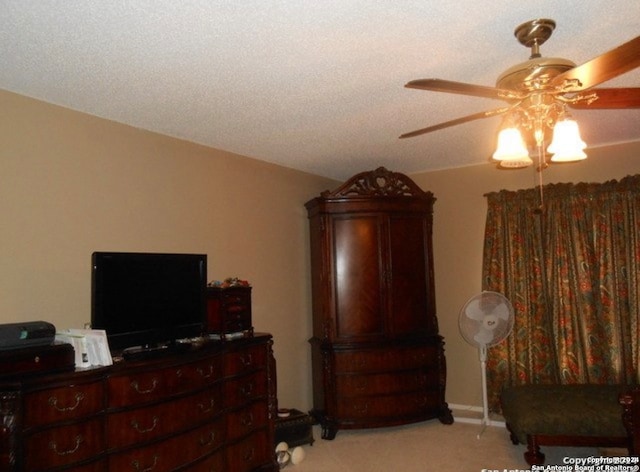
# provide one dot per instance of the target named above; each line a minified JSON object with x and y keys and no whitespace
{"x":609,"y":98}
{"x":449,"y":86}
{"x":611,"y":64}
{"x":457,"y":121}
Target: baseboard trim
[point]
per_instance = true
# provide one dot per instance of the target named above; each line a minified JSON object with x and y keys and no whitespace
{"x":475,"y":409}
{"x":459,"y":415}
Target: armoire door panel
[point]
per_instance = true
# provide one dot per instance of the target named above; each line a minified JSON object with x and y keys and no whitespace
{"x":358,"y":277}
{"x":409,"y":310}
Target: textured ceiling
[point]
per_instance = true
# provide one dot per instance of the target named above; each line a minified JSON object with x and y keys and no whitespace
{"x":315,"y":86}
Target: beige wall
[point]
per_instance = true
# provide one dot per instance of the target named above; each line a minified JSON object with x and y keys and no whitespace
{"x":459,"y":219}
{"x":71,"y":184}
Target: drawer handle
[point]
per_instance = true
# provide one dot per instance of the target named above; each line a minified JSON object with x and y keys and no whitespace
{"x":247,"y":419}
{"x":246,"y":390}
{"x":136,"y":386}
{"x":136,"y":465}
{"x":361,"y":384}
{"x":53,"y":401}
{"x":135,"y":425}
{"x":206,"y":375}
{"x":53,"y":445}
{"x":248,"y":454}
{"x":206,"y":409}
{"x":420,"y":356}
{"x":246,"y":360}
{"x":208,"y":441}
{"x":361,"y":408}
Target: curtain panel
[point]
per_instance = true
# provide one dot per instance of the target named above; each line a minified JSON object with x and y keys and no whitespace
{"x":568,"y":258}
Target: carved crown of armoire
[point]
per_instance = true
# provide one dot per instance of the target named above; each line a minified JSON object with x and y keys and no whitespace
{"x":377,"y":357}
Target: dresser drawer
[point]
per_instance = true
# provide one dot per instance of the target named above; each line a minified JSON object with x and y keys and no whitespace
{"x":247,"y":419}
{"x":241,"y":390}
{"x":200,"y":374}
{"x":98,"y":466}
{"x":172,"y":453}
{"x":213,"y":463}
{"x":133,"y":389}
{"x":143,"y":387}
{"x":348,"y":385}
{"x":250,"y":453}
{"x":64,"y":445}
{"x":240,"y":362}
{"x":144,"y":424}
{"x":380,"y":360}
{"x":387,"y":406}
{"x":63,"y":403}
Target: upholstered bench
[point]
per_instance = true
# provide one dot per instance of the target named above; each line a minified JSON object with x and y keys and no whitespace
{"x":564,"y":415}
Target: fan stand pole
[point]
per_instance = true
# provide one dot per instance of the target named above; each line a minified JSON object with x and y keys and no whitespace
{"x":485,"y":403}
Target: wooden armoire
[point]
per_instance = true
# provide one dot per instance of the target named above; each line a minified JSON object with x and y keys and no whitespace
{"x":377,"y":357}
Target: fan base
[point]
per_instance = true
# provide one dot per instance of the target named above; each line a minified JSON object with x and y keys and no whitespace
{"x":535,"y":32}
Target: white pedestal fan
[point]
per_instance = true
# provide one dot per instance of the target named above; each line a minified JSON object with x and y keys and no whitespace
{"x":485,"y":320}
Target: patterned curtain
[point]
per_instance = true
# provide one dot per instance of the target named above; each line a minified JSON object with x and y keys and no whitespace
{"x":568,"y":258}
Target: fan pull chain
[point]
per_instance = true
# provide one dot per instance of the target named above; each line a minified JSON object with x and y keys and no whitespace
{"x":541,"y":166}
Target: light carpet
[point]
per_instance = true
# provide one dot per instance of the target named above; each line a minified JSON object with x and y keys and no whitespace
{"x":420,"y":447}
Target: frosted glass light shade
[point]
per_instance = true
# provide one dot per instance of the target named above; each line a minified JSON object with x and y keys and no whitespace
{"x":516,"y":163}
{"x":567,"y":145}
{"x":511,"y":151}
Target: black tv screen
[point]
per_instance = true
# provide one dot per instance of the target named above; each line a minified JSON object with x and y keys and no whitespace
{"x":148,"y":299}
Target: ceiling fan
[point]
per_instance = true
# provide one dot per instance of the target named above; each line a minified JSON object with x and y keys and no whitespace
{"x":538,"y":91}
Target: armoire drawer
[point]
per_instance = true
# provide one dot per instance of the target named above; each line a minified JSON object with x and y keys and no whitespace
{"x":380,"y":360}
{"x":388,"y":405}
{"x":64,"y":445}
{"x":349,"y":385}
{"x":63,"y":403}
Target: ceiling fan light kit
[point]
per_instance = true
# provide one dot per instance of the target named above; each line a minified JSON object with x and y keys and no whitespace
{"x":567,"y":145}
{"x":511,"y":151}
{"x":538,"y":93}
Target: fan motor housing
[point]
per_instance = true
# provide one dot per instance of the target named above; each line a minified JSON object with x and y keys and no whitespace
{"x":534,"y":74}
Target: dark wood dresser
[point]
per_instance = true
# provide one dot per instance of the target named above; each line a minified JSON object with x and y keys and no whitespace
{"x":377,"y":357}
{"x":212,"y":408}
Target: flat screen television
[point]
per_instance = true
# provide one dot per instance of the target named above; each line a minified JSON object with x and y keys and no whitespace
{"x":148,"y":300}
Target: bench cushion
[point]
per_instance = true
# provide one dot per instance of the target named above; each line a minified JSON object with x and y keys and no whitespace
{"x":569,"y":410}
